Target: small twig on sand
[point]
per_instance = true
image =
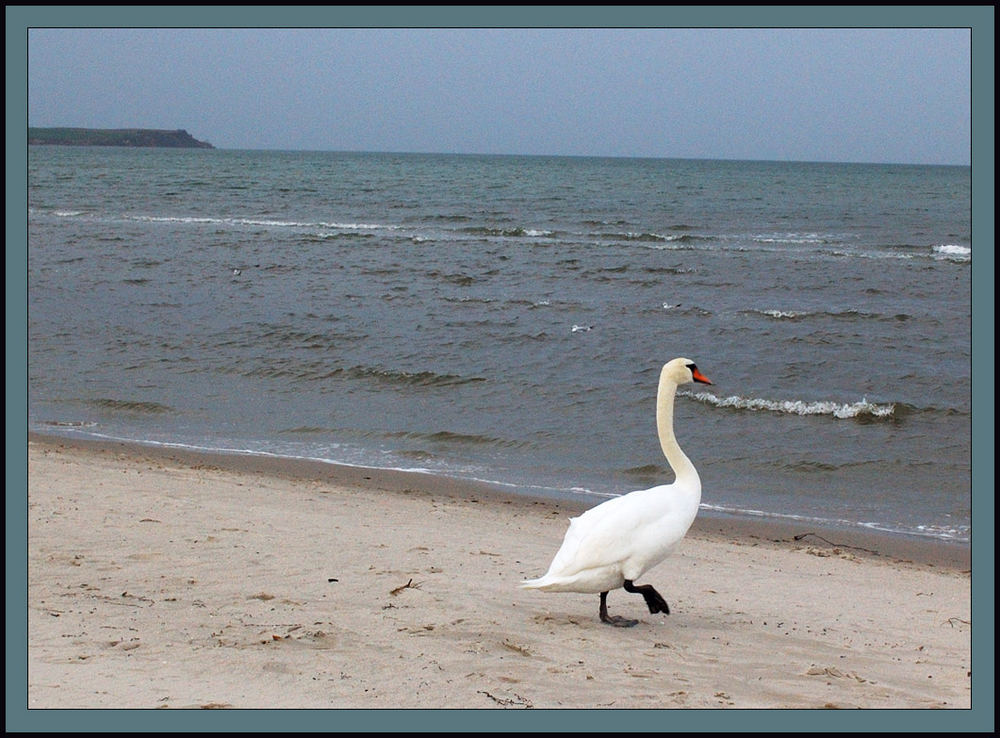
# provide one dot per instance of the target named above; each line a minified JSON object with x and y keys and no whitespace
{"x":800,"y":536}
{"x":408,"y":585}
{"x":509,"y":702}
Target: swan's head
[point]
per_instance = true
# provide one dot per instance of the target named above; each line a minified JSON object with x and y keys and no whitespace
{"x":684,"y":371}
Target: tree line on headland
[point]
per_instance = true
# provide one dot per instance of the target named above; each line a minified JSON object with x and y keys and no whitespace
{"x":115,"y":137}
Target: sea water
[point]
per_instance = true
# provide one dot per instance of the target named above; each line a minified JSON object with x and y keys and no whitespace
{"x":505,"y":318}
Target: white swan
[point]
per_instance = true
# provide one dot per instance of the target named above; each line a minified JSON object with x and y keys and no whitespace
{"x":613,"y":544}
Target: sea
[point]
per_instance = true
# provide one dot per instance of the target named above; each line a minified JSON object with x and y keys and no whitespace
{"x":505,"y":318}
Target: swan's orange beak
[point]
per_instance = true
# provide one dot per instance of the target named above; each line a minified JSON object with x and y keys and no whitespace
{"x":699,"y":377}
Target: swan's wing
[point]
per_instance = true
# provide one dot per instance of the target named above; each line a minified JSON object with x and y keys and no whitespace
{"x":607,"y":534}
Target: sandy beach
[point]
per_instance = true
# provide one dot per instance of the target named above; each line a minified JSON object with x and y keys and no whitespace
{"x":164,"y":579}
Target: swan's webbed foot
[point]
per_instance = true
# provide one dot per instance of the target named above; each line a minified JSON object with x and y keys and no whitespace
{"x":615,"y":620}
{"x":618,"y":621}
{"x":654,"y":601}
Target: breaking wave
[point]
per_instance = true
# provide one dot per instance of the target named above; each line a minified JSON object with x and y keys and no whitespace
{"x":953,"y":252}
{"x":800,"y":407}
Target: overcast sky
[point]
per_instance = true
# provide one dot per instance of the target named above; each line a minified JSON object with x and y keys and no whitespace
{"x":871,"y":95}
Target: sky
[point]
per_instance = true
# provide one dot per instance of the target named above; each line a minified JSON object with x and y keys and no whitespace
{"x":799,"y":94}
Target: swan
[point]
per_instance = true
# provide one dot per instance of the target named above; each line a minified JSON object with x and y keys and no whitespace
{"x":613,"y":544}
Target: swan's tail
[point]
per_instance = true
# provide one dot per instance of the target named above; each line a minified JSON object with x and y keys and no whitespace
{"x":550,"y":583}
{"x":587,"y":581}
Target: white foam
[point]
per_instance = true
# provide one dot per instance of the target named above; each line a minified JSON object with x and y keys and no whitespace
{"x":800,"y":407}
{"x":357,"y":226}
{"x":268,"y":223}
{"x":793,"y":238}
{"x":175,"y":219}
{"x":781,"y":313}
{"x":655,"y":236}
{"x":953,"y":251}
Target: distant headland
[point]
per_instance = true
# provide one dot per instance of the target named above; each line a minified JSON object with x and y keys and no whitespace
{"x":115,"y":137}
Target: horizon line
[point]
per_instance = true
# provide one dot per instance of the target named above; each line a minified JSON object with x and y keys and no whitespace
{"x":405,"y":152}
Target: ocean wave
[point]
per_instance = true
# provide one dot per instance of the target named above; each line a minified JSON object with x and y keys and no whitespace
{"x":953,"y":252}
{"x":262,"y":222}
{"x":305,"y":430}
{"x":666,"y":270}
{"x":910,"y":252}
{"x":462,"y":439}
{"x":462,"y":280}
{"x":633,"y":236}
{"x":130,"y":406}
{"x":336,"y":235}
{"x":320,"y":371}
{"x":847,"y":315}
{"x":467,"y":299}
{"x":797,"y":238}
{"x":416,"y":454}
{"x":410,"y":379}
{"x":788,"y":314}
{"x":516,"y":232}
{"x":281,"y":335}
{"x":654,"y":237}
{"x":359,"y":226}
{"x":647,"y":470}
{"x":840,"y":410}
{"x":819,"y":245}
{"x":839,"y":246}
{"x":946,"y":251}
{"x":447,"y":218}
{"x":591,"y":222}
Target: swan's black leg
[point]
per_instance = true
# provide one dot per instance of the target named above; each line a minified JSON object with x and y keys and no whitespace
{"x":615,"y":620}
{"x":654,"y":601}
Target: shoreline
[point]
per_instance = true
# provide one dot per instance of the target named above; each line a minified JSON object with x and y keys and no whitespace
{"x":893,"y":546}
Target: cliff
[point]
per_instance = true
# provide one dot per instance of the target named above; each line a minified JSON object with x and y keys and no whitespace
{"x":115,"y":137}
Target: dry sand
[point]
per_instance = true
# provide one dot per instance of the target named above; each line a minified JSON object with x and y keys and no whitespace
{"x":158,"y":579}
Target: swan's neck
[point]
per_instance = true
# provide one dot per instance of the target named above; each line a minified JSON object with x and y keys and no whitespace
{"x":679,"y":462}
